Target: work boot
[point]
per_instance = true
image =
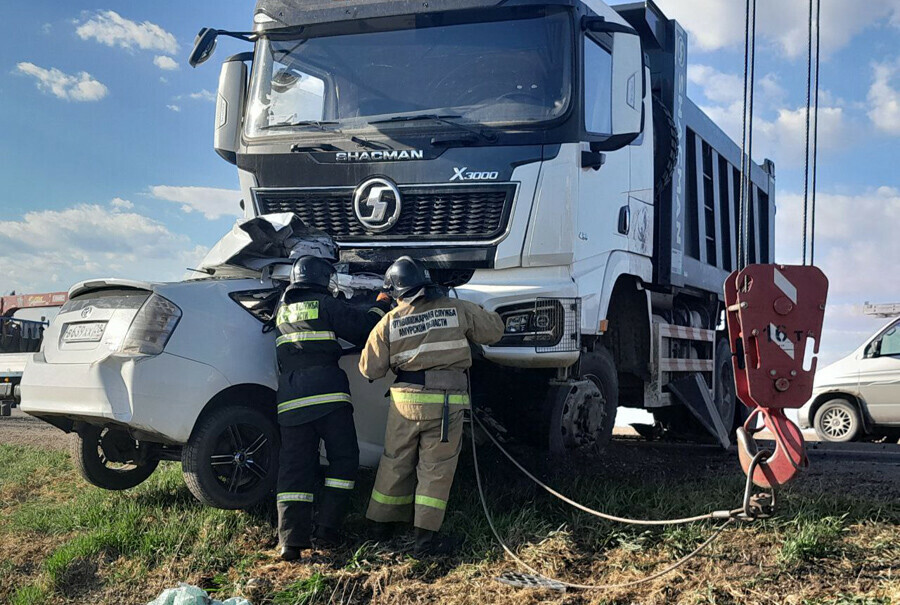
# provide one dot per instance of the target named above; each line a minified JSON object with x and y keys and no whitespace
{"x":327,"y":537}
{"x":291,"y":553}
{"x":382,"y":532}
{"x":429,"y":544}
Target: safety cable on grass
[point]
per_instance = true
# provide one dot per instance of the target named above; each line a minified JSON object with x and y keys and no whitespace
{"x":717,"y":514}
{"x":515,"y":557}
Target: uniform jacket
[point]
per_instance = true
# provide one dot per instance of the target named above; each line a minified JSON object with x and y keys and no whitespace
{"x":309,"y":322}
{"x":427,"y":335}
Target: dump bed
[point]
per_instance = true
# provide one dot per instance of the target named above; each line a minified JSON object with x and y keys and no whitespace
{"x":697,"y":211}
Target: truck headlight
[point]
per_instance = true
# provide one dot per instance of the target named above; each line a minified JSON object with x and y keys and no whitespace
{"x":547,"y":324}
{"x":151,"y":328}
{"x":534,"y":324}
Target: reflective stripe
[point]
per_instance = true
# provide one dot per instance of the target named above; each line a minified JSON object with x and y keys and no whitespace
{"x":339,"y":483}
{"x":303,"y":402}
{"x":414,"y":397}
{"x":427,"y":347}
{"x":299,"y":311}
{"x":294,"y":497}
{"x":432,"y":502}
{"x":395,"y":500}
{"x":377,"y":311}
{"x":304,"y":336}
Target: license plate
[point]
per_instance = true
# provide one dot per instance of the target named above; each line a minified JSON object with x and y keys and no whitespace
{"x":84,"y":332}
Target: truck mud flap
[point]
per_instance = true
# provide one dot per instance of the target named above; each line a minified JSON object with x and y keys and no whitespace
{"x":693,"y":393}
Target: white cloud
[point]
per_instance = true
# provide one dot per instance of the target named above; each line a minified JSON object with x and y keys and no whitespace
{"x":884,"y":96}
{"x":212,"y":202}
{"x":174,"y":108}
{"x":111,"y":29}
{"x":857,"y":247}
{"x":203,"y":95}
{"x":52,"y":249}
{"x":778,"y":131}
{"x":120,"y":204}
{"x":716,"y":24}
{"x":79,"y":87}
{"x":165,"y":63}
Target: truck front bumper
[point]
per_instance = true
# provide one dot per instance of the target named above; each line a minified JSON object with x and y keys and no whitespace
{"x":160,"y":396}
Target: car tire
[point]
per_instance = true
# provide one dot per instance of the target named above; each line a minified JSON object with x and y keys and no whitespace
{"x":838,"y":421}
{"x":231,"y":460}
{"x":98,"y":466}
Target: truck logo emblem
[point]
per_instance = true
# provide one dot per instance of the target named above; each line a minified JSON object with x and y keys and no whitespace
{"x":86,"y":312}
{"x":377,"y":205}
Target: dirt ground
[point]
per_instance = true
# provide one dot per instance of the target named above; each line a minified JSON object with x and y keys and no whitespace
{"x":864,"y":467}
{"x":22,"y":429}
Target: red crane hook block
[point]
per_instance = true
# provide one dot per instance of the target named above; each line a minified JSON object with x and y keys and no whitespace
{"x":789,"y":456}
{"x":773,"y":311}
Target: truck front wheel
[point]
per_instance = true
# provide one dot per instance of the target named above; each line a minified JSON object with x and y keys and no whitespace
{"x":583,"y":411}
{"x":111,"y":459}
{"x":231,"y":460}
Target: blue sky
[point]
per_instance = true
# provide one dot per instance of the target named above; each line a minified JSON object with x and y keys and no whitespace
{"x":108,"y":169}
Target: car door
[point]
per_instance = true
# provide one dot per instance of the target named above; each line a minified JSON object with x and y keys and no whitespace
{"x":879,"y":376}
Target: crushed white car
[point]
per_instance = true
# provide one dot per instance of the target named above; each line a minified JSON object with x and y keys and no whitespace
{"x":145,"y":372}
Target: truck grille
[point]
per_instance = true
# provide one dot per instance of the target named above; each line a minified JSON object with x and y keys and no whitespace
{"x":433,"y":213}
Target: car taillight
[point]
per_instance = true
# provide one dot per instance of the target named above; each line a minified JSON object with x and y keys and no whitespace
{"x":151,"y":327}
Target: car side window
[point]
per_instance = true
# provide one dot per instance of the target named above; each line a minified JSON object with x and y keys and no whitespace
{"x":890,"y":342}
{"x":597,"y":88}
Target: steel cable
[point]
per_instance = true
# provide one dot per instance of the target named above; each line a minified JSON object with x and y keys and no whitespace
{"x":747,"y":134}
{"x":487,"y":514}
{"x":719,"y":514}
{"x":815,"y":137}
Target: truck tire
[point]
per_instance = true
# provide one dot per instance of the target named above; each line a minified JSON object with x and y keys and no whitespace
{"x":725,"y":394}
{"x":837,"y":421}
{"x":103,"y":458}
{"x":231,"y":460}
{"x":583,"y":415}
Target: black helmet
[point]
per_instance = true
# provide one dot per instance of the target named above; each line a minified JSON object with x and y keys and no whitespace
{"x":406,"y":275}
{"x":311,"y":271}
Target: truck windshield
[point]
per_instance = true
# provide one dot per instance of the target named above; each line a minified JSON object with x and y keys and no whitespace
{"x":513,"y":72}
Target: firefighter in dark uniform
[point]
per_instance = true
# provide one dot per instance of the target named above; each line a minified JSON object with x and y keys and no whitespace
{"x":314,"y":404}
{"x":425,"y":341}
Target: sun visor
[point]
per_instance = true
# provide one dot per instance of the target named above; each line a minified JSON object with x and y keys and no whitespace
{"x":257,"y":242}
{"x":273,"y":14}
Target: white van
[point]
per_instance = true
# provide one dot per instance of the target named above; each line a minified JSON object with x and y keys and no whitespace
{"x":859,"y":395}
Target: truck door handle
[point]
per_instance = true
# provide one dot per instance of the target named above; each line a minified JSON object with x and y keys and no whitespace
{"x":592,"y":159}
{"x":625,"y":219}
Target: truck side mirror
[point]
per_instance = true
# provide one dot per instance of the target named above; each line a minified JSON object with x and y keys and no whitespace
{"x":627,"y":85}
{"x":204,"y":45}
{"x":230,"y":107}
{"x":627,"y":80}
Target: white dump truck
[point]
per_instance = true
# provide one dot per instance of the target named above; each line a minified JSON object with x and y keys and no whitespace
{"x":544,"y":161}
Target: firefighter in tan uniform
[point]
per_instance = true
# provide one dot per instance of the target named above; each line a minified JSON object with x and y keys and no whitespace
{"x":425,"y":341}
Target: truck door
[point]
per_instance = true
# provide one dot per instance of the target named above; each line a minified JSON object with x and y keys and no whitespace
{"x":603,"y":191}
{"x":879,"y":377}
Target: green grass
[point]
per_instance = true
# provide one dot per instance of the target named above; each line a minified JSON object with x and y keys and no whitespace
{"x":304,"y":592}
{"x":159,"y":526}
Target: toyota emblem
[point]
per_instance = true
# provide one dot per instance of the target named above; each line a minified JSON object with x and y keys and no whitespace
{"x":86,"y":312}
{"x":376,"y":203}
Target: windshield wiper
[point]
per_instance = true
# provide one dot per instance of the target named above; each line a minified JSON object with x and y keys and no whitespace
{"x":487,"y":136}
{"x":370,"y":144}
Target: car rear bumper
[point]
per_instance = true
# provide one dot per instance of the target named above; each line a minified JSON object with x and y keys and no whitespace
{"x":159,"y":396}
